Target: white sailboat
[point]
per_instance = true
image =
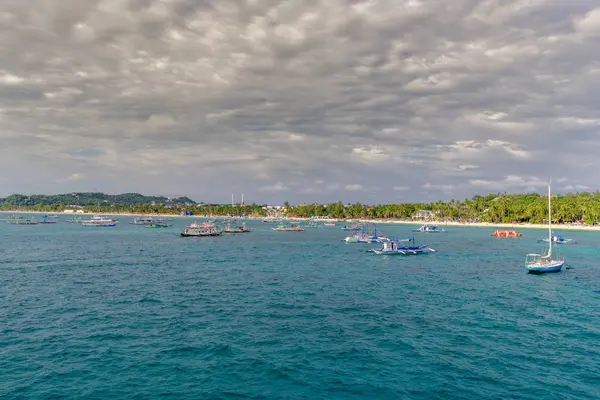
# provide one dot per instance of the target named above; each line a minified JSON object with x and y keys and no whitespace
{"x":541,"y":263}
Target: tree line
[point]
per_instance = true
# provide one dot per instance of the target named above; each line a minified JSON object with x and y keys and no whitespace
{"x":494,"y":208}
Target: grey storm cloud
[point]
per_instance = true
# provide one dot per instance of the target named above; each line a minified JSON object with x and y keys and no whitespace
{"x":300,"y":100}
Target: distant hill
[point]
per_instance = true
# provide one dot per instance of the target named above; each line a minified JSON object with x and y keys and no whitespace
{"x":91,"y":199}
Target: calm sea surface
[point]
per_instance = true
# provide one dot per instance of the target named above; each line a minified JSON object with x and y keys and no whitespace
{"x":132,"y":312}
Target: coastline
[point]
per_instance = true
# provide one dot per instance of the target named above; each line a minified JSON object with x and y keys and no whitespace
{"x":571,"y":227}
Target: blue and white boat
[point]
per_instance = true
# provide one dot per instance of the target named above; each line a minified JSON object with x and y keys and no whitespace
{"x":392,"y":247}
{"x":49,"y":219}
{"x":557,"y":240}
{"x":429,"y":229}
{"x":542,"y":263}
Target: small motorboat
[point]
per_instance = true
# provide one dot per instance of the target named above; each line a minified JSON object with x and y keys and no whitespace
{"x":504,"y":233}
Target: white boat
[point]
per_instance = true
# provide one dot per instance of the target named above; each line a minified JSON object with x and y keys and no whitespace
{"x":148,"y":220}
{"x":429,"y":229}
{"x":99,"y":221}
{"x":542,"y":263}
{"x":49,"y":219}
{"x":366,"y":236}
{"x":201,"y":229}
{"x":557,"y":240}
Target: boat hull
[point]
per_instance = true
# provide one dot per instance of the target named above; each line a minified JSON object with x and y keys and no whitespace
{"x":402,"y":252}
{"x":200,"y":234}
{"x":543,"y":269}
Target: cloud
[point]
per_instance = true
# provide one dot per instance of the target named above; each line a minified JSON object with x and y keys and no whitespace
{"x":355,"y":187}
{"x":276,"y":187}
{"x":74,"y":177}
{"x":205,"y":98}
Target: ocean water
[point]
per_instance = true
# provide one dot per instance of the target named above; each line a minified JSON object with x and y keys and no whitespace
{"x":131,"y":312}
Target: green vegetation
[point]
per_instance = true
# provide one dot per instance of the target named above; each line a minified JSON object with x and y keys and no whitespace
{"x":495,"y":208}
{"x":122,"y":203}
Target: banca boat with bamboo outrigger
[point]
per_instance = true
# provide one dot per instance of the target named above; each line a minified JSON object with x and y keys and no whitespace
{"x":429,"y":229}
{"x":556,"y":239}
{"x":393,"y":248}
{"x":156,"y":225}
{"x":543,"y":263}
{"x":366,"y":236}
{"x":237,"y":229}
{"x":292,"y":227}
{"x":24,"y":221}
{"x":100,"y":221}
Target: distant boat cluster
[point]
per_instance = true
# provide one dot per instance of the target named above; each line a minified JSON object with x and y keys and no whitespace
{"x":359,"y":233}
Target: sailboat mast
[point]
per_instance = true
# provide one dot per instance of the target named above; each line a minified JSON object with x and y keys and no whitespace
{"x":549,"y":222}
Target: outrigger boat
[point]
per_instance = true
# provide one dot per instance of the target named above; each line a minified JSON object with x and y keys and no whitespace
{"x":353,"y":227}
{"x":97,"y":220}
{"x":237,"y":229}
{"x":392,"y":247}
{"x":292,"y":227}
{"x":197,"y":229}
{"x":429,"y":229}
{"x":557,"y":240}
{"x":366,"y":236}
{"x":49,"y":219}
{"x":24,"y":221}
{"x":159,"y":225}
{"x":542,"y":263}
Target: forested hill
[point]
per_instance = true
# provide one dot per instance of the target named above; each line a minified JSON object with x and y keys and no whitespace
{"x":90,"y":199}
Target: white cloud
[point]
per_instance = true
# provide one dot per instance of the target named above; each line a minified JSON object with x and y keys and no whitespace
{"x":355,"y":187}
{"x":276,"y":187}
{"x":204,"y":98}
{"x":589,"y":25}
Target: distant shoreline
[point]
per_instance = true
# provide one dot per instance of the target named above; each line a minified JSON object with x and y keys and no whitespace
{"x":572,"y":227}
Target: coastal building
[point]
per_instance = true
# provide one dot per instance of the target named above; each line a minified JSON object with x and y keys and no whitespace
{"x":424,"y":215}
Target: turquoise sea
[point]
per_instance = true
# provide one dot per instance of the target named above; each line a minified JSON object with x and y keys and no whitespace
{"x":131,"y":312}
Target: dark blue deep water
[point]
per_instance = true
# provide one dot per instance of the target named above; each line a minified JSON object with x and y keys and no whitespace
{"x":131,"y":312}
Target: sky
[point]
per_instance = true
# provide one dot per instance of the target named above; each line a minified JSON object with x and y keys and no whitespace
{"x":378,"y":101}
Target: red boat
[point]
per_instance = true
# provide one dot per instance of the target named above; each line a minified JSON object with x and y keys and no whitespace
{"x":502,"y":233}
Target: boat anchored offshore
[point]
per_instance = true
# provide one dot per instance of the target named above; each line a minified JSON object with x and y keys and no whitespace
{"x":292,"y":227}
{"x":503,"y":233}
{"x":392,"y":247}
{"x":429,"y":229}
{"x":557,"y":240}
{"x":236,"y":229}
{"x":20,"y":221}
{"x":97,"y":220}
{"x":366,"y":236}
{"x":542,"y":263}
{"x":49,"y":219}
{"x":197,"y":229}
{"x":158,"y":225}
